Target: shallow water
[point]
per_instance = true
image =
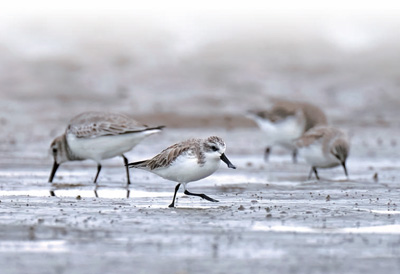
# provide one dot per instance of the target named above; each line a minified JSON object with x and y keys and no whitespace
{"x":199,"y":80}
{"x":269,"y":215}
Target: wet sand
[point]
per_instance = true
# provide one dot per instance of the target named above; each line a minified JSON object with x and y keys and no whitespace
{"x":269,"y":218}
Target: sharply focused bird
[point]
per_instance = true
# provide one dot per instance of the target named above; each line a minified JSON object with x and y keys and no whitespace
{"x":187,"y":161}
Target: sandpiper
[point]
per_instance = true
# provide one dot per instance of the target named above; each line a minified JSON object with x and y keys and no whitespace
{"x":324,"y":147}
{"x":188,"y":161}
{"x":97,"y":136}
{"x":286,"y":121}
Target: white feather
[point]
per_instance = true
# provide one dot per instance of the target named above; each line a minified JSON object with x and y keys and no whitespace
{"x":187,"y":169}
{"x":104,"y":147}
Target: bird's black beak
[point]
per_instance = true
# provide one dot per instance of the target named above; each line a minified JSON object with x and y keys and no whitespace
{"x":345,"y":169}
{"x":227,"y":162}
{"x":53,"y":171}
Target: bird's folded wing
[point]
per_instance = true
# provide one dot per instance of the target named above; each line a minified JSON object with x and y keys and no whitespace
{"x":96,"y":124}
{"x":308,"y":139}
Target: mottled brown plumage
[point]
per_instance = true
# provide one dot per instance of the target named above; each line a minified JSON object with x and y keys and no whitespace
{"x":95,"y":124}
{"x":325,"y":135}
{"x":98,"y":136}
{"x":286,"y":121}
{"x":282,"y":109}
{"x":168,"y":155}
{"x":324,"y":147}
{"x":191,"y":147}
{"x":187,"y":161}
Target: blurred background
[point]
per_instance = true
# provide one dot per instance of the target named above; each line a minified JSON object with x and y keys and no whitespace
{"x":195,"y":64}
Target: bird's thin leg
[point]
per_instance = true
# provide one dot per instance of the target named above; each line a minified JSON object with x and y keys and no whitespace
{"x":127,"y":168}
{"x":97,"y":174}
{"x":204,"y":196}
{"x":316,"y":173}
{"x":95,"y":192}
{"x":53,"y":171}
{"x":294,"y":156}
{"x":310,"y":174}
{"x":266,"y":154}
{"x":345,"y":170}
{"x":173,"y":200}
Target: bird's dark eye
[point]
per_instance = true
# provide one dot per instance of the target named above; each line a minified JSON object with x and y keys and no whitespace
{"x":214,"y":148}
{"x":54,"y":150}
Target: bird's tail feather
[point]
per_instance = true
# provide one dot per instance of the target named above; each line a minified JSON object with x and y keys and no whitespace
{"x":157,"y":127}
{"x":139,"y":164}
{"x":148,"y":130}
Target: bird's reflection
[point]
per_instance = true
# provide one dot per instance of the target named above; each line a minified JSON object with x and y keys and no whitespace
{"x":96,"y":193}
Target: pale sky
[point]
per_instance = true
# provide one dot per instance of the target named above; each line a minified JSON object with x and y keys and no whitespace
{"x":22,"y":8}
{"x":351,"y":24}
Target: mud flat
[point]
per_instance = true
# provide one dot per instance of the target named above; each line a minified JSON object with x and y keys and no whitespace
{"x":270,"y":218}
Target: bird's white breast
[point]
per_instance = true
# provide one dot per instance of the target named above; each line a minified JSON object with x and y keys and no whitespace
{"x":187,"y":169}
{"x":315,"y":156}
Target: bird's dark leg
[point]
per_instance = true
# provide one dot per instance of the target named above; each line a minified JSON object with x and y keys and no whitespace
{"x":204,"y":196}
{"x":173,"y":200}
{"x":95,"y":192}
{"x":53,"y":171}
{"x":345,"y":170}
{"x":294,"y":156}
{"x":316,"y":173}
{"x":97,"y":174}
{"x":313,"y":169}
{"x":266,"y":154}
{"x":310,"y":174}
{"x":127,"y":168}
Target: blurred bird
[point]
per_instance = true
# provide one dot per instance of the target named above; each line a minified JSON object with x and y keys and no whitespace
{"x":97,"y":136}
{"x":324,"y":147}
{"x":286,"y":121}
